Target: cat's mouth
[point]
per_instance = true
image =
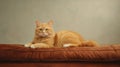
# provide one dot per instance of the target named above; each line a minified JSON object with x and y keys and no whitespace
{"x":43,"y":35}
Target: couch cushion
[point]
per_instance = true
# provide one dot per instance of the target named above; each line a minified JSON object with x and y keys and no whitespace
{"x":17,"y":52}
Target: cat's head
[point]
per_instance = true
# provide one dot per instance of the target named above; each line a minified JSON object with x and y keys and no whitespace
{"x":44,"y":29}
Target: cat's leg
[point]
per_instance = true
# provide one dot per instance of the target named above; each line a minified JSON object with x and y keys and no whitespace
{"x":28,"y":44}
{"x":40,"y":45}
{"x":87,"y":43}
{"x":66,"y":45}
{"x":70,"y":45}
{"x":90,"y":43}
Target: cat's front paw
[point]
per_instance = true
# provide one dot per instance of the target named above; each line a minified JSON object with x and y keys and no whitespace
{"x":32,"y":46}
{"x":27,"y":45}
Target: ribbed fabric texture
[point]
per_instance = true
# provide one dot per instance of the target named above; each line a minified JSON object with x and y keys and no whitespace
{"x":17,"y":52}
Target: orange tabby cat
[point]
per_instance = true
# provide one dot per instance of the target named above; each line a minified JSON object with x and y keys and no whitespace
{"x":45,"y":37}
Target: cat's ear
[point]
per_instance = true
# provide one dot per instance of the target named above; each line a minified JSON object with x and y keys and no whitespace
{"x":37,"y":23}
{"x":51,"y":22}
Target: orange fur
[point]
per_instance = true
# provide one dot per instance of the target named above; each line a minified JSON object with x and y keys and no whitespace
{"x":45,"y":37}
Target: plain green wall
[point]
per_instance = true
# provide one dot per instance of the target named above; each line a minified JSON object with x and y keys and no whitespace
{"x":94,"y":19}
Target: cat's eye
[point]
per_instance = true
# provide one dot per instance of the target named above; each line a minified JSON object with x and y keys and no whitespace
{"x":40,"y":29}
{"x":46,"y":29}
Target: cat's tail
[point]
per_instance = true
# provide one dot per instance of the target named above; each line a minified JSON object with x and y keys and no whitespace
{"x":89,"y":43}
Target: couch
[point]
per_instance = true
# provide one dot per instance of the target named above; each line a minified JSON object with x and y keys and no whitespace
{"x":16,"y":55}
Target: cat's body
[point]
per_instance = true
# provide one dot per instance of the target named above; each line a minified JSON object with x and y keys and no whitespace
{"x":45,"y":37}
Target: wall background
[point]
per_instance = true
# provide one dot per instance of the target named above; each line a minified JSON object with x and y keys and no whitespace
{"x":94,"y":19}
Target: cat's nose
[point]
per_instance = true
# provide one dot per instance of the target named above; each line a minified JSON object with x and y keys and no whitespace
{"x":44,"y":35}
{"x":43,"y":31}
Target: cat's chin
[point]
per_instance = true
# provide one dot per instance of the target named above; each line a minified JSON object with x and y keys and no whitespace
{"x":44,"y":36}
